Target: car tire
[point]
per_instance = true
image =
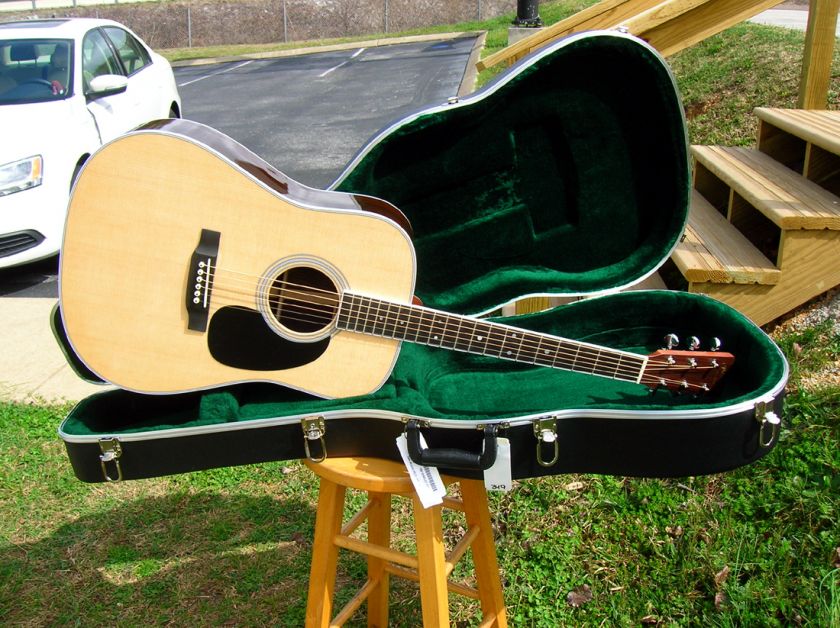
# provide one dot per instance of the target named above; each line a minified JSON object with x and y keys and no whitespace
{"x":77,"y":170}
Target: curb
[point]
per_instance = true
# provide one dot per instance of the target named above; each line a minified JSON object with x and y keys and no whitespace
{"x":367,"y":43}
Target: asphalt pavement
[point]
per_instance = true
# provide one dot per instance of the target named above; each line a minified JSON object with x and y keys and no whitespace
{"x":277,"y":107}
{"x":306,"y":114}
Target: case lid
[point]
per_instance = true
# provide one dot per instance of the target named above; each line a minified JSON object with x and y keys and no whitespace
{"x":569,"y":174}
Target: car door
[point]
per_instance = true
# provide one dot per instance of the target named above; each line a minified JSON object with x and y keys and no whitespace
{"x":144,"y":84}
{"x":114,"y":113}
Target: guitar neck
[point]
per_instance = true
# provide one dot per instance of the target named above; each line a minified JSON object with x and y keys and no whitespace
{"x":422,"y":325}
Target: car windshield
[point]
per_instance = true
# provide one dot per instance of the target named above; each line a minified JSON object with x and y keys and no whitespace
{"x":34,"y":70}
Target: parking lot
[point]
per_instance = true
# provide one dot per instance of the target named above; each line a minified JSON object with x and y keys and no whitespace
{"x":307,"y":114}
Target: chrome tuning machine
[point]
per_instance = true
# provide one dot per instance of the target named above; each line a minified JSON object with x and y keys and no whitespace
{"x":693,"y":343}
{"x":671,"y":341}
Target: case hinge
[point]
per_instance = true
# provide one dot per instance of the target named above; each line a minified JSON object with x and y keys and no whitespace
{"x":111,"y":449}
{"x":545,"y":430}
{"x":769,"y":421}
{"x":314,"y":429}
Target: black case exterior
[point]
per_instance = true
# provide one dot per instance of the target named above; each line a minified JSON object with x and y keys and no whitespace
{"x":644,"y":447}
{"x":647,"y":444}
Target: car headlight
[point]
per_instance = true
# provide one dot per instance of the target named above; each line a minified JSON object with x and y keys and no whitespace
{"x":21,"y":175}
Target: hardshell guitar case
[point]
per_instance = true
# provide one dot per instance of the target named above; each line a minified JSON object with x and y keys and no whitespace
{"x":567,"y":176}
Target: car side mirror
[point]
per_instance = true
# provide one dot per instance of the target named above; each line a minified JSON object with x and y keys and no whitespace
{"x":106,"y":85}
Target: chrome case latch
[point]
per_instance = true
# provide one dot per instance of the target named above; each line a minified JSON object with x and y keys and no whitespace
{"x":111,"y":449}
{"x":545,"y":431}
{"x":314,"y":429}
{"x":769,"y":423}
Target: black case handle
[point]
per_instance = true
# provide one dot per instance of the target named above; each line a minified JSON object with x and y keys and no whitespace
{"x":451,"y":458}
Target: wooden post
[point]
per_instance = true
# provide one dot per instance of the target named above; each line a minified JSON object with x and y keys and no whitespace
{"x":819,"y":51}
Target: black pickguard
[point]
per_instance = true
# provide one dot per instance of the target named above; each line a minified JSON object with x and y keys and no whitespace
{"x":239,"y":337}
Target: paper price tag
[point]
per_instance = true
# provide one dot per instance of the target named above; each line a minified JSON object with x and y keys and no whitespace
{"x":426,"y":480}
{"x":498,"y":477}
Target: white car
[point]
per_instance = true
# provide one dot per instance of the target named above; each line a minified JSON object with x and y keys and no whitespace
{"x":67,"y":86}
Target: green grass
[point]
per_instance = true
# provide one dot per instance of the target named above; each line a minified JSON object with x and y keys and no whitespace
{"x":759,"y":546}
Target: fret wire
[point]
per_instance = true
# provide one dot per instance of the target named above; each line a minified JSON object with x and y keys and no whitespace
{"x":498,"y":344}
{"x":461,"y":320}
{"x":451,"y":338}
{"x":354,"y":312}
{"x":342,"y":312}
{"x":465,"y":337}
{"x":574,"y":361}
{"x":404,"y":319}
{"x":377,"y":317}
{"x":425,"y":329}
{"x":537,"y":350}
{"x":390,"y":321}
{"x":364,"y":312}
{"x":437,"y":338}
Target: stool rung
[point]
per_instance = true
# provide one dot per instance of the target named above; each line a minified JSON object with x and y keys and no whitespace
{"x":453,"y":587}
{"x":377,"y":551}
{"x":458,"y":551}
{"x":452,"y":503}
{"x":356,"y":520}
{"x":353,"y":605}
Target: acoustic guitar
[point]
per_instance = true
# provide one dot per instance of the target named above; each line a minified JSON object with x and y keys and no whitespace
{"x":189,"y":263}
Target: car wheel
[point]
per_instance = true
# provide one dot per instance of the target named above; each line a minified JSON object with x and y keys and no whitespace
{"x":77,"y":170}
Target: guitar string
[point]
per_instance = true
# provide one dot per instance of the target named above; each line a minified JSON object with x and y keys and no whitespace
{"x":651,"y":376}
{"x":528,"y":347}
{"x":609,"y":363}
{"x":527,"y":343}
{"x":336,"y":300}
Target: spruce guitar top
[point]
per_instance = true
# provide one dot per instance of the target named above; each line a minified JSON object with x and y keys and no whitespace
{"x":189,"y":263}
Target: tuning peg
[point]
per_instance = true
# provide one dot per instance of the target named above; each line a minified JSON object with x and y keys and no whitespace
{"x":693,"y":343}
{"x":671,"y":341}
{"x":714,"y":345}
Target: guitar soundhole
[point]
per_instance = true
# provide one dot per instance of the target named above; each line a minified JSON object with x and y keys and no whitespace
{"x":303,"y":300}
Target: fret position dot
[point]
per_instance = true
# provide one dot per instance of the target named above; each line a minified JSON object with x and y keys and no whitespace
{"x":479,"y":337}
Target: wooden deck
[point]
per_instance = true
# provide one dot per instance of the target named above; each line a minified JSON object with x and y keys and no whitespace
{"x":713,"y":250}
{"x":764,"y":227}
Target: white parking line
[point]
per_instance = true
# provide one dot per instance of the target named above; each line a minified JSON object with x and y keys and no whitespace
{"x":343,"y":63}
{"x":201,"y":78}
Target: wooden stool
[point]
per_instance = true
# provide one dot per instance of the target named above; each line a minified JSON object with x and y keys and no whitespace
{"x":381,"y":479}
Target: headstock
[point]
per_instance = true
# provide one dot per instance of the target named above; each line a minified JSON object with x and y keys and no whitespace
{"x":690,"y":371}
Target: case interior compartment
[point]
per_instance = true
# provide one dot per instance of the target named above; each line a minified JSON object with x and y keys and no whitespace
{"x":568,"y":175}
{"x":439,"y":384}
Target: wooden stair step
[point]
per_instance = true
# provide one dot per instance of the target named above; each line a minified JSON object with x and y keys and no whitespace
{"x":713,"y":250}
{"x":819,"y":127}
{"x":785,"y":197}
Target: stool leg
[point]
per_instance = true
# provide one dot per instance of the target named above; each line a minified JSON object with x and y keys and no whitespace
{"x":324,"y":555}
{"x":379,"y":533}
{"x":484,"y":551}
{"x":434,"y":598}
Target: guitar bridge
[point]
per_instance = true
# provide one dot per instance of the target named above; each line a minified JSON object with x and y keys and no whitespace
{"x":200,"y":279}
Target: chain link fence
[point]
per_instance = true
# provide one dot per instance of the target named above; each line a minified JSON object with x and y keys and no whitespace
{"x":213,"y":22}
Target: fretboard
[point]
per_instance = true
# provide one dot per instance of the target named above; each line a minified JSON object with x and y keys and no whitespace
{"x":417,"y":324}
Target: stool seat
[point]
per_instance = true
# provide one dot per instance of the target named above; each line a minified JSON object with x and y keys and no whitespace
{"x":367,"y":474}
{"x":431,"y":567}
